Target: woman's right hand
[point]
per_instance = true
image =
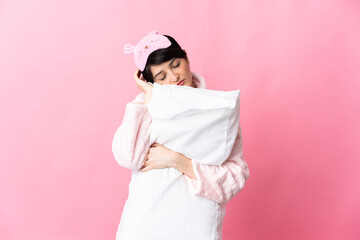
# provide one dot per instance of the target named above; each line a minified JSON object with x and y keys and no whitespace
{"x":143,"y":85}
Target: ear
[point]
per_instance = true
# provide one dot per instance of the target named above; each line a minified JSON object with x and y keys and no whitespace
{"x":128,"y":48}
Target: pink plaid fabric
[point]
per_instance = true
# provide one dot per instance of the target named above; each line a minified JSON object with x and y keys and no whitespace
{"x":131,"y":143}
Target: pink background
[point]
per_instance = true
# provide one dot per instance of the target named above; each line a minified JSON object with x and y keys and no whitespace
{"x":64,"y":84}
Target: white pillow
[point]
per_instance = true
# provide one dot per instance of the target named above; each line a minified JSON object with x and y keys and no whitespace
{"x":199,"y":123}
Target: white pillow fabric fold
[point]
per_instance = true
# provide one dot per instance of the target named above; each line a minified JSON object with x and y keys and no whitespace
{"x":199,"y":123}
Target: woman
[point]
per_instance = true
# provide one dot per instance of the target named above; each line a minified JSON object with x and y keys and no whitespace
{"x":157,"y":212}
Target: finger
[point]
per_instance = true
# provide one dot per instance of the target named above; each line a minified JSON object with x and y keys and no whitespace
{"x":145,"y":169}
{"x":136,"y":75}
{"x":140,"y":76}
{"x":145,"y":164}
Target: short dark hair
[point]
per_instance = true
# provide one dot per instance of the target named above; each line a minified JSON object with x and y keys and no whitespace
{"x":162,"y":55}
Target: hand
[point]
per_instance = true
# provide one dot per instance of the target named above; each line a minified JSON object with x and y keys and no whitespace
{"x":159,"y":157}
{"x":141,"y":83}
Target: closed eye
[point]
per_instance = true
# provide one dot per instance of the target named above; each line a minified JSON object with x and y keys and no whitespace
{"x":175,"y":66}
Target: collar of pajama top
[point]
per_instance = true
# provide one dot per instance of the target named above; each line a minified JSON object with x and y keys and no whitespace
{"x":198,"y":80}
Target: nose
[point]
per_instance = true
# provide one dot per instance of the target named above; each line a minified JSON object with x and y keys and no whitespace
{"x":174,"y":76}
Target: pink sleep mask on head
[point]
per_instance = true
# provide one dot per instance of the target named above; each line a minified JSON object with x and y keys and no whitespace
{"x":148,"y":44}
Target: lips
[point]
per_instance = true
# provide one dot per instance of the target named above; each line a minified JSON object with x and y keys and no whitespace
{"x":181,"y":82}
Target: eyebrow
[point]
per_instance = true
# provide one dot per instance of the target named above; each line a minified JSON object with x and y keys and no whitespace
{"x":169,"y":64}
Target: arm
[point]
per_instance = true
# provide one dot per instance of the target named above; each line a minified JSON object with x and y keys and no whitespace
{"x":131,"y":141}
{"x":184,"y":165}
{"x":220,"y":183}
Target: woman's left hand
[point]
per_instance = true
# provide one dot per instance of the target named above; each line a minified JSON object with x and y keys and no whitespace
{"x":159,"y":157}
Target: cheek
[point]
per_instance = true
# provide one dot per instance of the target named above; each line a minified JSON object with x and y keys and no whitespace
{"x":185,"y":68}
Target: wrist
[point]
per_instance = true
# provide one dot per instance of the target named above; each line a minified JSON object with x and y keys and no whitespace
{"x":147,"y":97}
{"x":174,"y":163}
{"x":180,"y":162}
{"x":184,"y":165}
